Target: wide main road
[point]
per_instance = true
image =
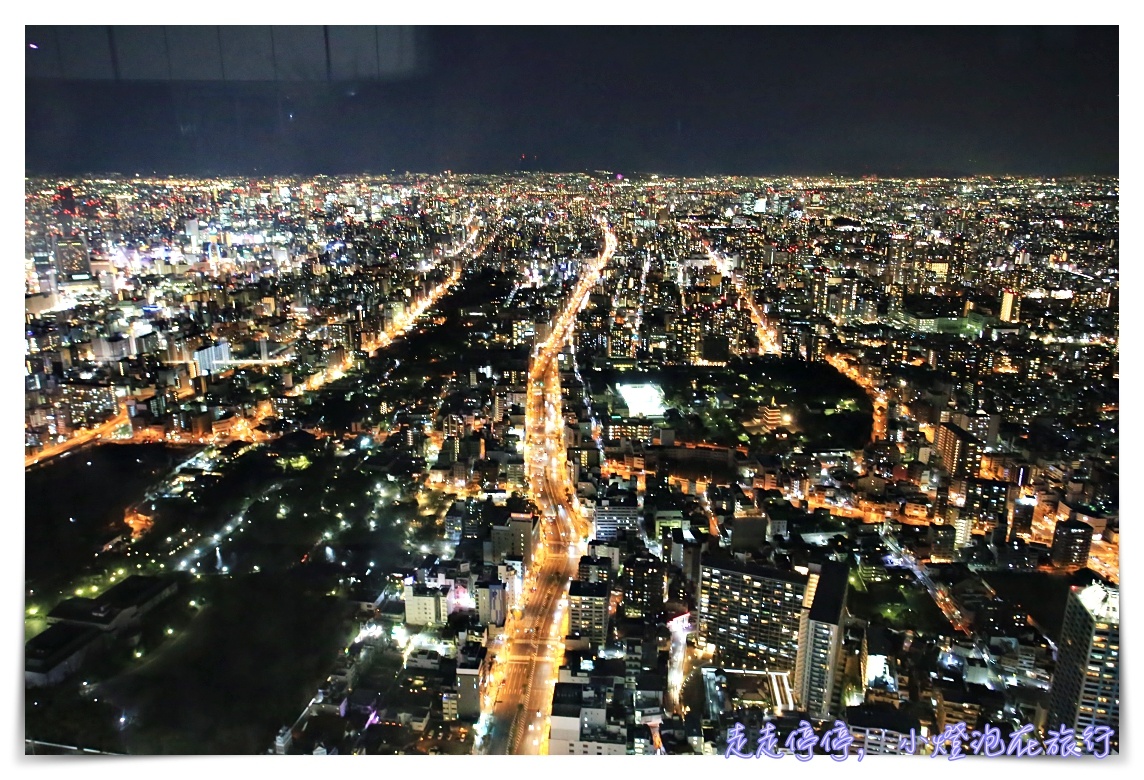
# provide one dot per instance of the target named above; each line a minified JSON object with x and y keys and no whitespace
{"x":528,"y":663}
{"x":83,"y":437}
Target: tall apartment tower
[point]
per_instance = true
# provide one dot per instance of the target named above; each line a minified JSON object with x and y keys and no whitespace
{"x":819,"y":292}
{"x":645,"y":586}
{"x":1010,"y":306}
{"x":751,"y":614}
{"x":73,"y":260}
{"x":1086,"y":684}
{"x":588,"y":610}
{"x":1072,"y":542}
{"x":820,"y":640}
{"x":958,"y":449}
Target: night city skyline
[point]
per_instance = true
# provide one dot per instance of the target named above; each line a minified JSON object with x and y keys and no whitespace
{"x":738,"y":392}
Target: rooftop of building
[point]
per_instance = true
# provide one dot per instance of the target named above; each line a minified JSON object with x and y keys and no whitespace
{"x":727,"y":563}
{"x":971,"y":694}
{"x":882,"y":716}
{"x":607,"y":733}
{"x":566,"y":700}
{"x":583,"y":589}
{"x":134,"y":591}
{"x":470,"y":655}
{"x":830,"y":594}
{"x":428,"y":590}
{"x":55,"y":644}
{"x":1101,"y":601}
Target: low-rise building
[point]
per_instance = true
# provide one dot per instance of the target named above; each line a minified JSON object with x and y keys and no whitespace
{"x":426,"y":605}
{"x":52,"y":655}
{"x":882,"y":729}
{"x":579,"y":723}
{"x":121,"y":606}
{"x":474,"y":666}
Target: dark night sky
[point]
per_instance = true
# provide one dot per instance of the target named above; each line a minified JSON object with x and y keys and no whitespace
{"x":672,"y":100}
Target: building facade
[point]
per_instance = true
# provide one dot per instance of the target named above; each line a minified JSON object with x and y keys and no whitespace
{"x":1086,"y":685}
{"x":751,"y":614}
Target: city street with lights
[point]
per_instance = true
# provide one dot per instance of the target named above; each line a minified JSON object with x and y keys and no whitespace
{"x":529,"y":663}
{"x":768,"y":344}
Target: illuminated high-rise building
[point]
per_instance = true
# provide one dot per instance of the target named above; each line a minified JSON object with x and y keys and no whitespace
{"x":73,"y":261}
{"x":897,"y":266}
{"x":958,"y":449}
{"x":820,"y":632}
{"x":644,"y":579}
{"x":1086,"y":683}
{"x":989,"y":501}
{"x":1072,"y":542}
{"x":819,"y":292}
{"x":612,"y":517}
{"x":795,"y":338}
{"x":689,"y":337}
{"x":981,"y":424}
{"x":593,"y":569}
{"x":620,"y":341}
{"x":45,"y":267}
{"x":212,"y":359}
{"x":848,"y":298}
{"x":751,"y":614}
{"x":1010,"y":306}
{"x":588,"y":610}
{"x":962,"y":526}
